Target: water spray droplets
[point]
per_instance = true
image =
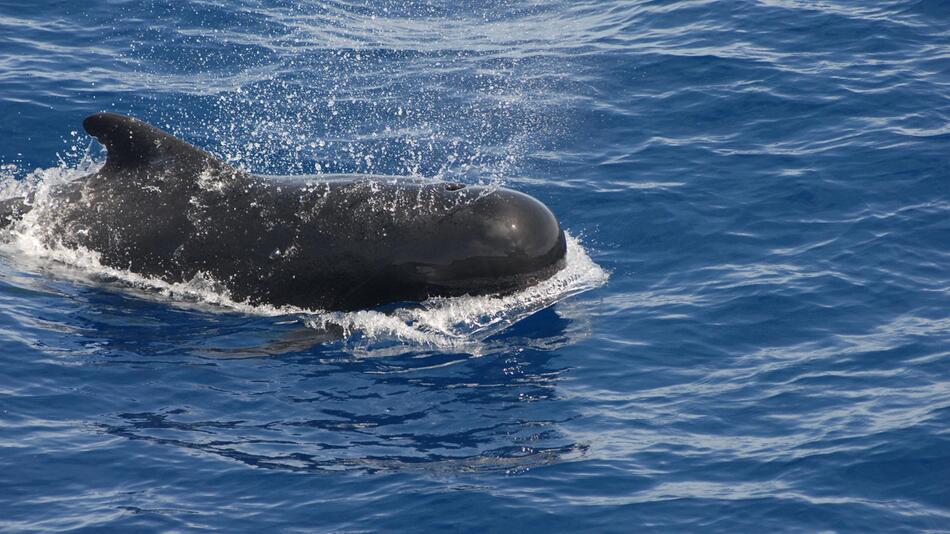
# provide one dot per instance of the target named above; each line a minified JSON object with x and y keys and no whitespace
{"x":394,"y":91}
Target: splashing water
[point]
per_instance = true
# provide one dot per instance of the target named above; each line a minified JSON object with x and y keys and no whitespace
{"x":391,"y":95}
{"x":459,"y":323}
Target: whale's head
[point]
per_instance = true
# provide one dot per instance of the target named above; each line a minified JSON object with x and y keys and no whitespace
{"x":497,"y":240}
{"x":379,"y":240}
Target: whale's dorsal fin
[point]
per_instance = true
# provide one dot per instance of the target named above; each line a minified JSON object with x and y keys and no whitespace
{"x":133,"y":144}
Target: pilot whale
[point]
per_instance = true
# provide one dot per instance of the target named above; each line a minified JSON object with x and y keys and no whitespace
{"x":161,"y":207}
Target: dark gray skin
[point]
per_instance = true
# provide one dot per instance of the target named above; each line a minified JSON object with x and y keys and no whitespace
{"x":163,"y":208}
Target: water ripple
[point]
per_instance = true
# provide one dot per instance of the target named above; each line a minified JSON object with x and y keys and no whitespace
{"x":765,"y":182}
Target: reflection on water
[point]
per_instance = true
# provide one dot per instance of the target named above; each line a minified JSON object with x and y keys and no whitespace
{"x":317,"y":408}
{"x":301,"y":398}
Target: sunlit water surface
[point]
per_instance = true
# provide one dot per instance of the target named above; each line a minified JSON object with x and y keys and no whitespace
{"x":751,"y":333}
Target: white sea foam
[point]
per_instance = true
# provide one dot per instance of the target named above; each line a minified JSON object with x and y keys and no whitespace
{"x":446,"y":323}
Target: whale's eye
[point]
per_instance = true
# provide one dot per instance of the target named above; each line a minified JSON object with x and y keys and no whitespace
{"x":454,"y":187}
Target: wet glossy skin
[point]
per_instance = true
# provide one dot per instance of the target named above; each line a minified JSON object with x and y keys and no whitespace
{"x":163,"y":208}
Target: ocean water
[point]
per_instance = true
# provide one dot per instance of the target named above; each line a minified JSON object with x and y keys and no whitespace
{"x":752,"y":333}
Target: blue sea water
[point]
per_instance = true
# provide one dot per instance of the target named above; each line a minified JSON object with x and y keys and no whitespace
{"x":754,"y":335}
